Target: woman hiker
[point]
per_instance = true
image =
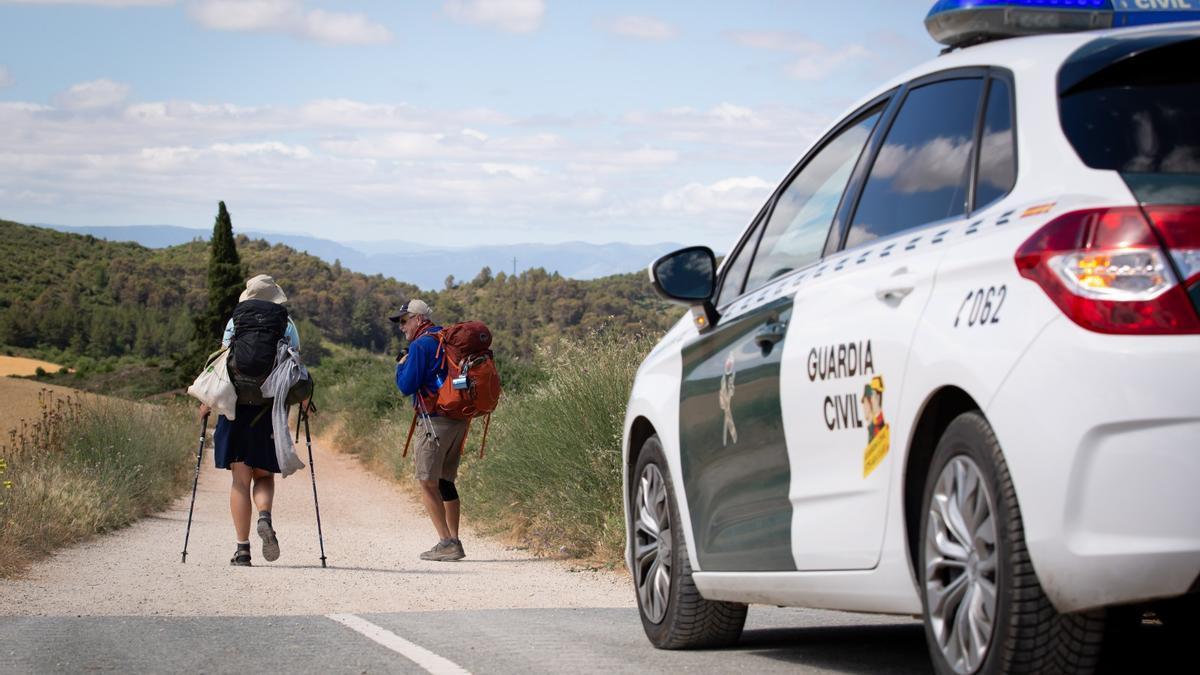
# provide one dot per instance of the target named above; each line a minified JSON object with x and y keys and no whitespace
{"x":245,"y":445}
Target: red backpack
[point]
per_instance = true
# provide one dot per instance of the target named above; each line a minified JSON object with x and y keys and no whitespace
{"x":472,"y":385}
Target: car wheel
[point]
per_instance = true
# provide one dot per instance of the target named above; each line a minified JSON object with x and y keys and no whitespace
{"x":674,"y":614}
{"x":985,"y":611}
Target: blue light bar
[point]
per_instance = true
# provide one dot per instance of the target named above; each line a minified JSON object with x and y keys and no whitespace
{"x":959,"y":23}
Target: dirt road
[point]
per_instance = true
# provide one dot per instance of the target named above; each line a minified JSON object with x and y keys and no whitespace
{"x":373,"y":534}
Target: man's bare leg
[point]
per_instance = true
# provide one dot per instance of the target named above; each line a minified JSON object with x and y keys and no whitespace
{"x":431,"y":497}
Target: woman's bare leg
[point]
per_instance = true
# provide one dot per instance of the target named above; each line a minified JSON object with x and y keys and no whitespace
{"x":264,"y":490}
{"x":239,"y":499}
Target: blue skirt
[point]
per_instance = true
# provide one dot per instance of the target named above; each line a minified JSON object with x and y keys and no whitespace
{"x":248,"y":439}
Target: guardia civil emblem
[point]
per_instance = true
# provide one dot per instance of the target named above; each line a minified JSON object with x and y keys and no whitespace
{"x":725,"y":399}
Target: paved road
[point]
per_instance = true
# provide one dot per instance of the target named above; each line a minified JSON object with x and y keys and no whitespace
{"x":482,"y":641}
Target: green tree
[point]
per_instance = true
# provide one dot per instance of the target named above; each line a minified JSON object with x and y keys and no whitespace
{"x":226,"y":279}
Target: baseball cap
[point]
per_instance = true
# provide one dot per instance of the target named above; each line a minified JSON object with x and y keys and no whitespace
{"x":413,"y":306}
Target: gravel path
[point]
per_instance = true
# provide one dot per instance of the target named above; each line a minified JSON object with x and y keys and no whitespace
{"x":373,"y":534}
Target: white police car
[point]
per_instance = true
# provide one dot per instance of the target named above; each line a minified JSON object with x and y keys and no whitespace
{"x":952,"y":367}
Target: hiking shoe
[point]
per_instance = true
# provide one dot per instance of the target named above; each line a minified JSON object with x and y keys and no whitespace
{"x":456,"y":551}
{"x":270,"y":541}
{"x":241,"y":558}
{"x":441,"y":552}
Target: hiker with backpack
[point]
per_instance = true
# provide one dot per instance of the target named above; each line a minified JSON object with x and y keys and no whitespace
{"x":420,"y":373}
{"x":248,"y":445}
{"x":451,"y":375}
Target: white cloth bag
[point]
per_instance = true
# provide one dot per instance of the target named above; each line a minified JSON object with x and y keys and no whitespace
{"x":213,"y":386}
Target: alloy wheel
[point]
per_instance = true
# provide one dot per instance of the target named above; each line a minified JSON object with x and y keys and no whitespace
{"x":653,"y":544}
{"x":960,"y":565}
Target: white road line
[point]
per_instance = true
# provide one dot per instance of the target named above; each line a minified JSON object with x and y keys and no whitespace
{"x":415,"y":653}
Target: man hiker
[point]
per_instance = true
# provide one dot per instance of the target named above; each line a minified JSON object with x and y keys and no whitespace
{"x":420,"y":372}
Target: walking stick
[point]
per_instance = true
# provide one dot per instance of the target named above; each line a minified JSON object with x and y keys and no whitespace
{"x":195,"y":482}
{"x":313,"y":472}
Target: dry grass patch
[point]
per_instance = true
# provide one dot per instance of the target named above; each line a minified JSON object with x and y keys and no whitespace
{"x":85,"y":466}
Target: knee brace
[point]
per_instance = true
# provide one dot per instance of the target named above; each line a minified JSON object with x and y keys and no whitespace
{"x":449,"y":493}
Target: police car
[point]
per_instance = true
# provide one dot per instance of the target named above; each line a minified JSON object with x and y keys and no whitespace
{"x":950,"y":369}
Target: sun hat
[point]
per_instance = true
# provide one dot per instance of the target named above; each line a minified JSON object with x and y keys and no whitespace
{"x":415,"y":307}
{"x":263,"y":287}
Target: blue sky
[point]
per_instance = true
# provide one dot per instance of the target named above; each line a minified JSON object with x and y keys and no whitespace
{"x":449,"y":121}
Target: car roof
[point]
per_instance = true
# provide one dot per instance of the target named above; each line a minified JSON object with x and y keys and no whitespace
{"x":1020,"y":53}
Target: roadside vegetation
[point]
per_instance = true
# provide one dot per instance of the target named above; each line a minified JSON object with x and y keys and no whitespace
{"x":86,"y":466}
{"x":550,"y":477}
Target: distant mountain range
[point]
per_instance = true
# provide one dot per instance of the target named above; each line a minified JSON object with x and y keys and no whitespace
{"x":420,"y":264}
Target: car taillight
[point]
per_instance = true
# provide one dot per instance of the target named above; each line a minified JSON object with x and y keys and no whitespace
{"x":1108,"y":270}
{"x":1180,"y":230}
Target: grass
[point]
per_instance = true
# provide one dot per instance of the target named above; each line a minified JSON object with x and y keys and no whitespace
{"x":88,"y":466}
{"x":551,"y":473}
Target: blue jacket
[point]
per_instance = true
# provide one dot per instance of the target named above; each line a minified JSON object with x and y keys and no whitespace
{"x":423,"y":369}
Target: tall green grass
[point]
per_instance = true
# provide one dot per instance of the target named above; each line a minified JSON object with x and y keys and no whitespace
{"x":551,"y":472}
{"x":87,"y":466}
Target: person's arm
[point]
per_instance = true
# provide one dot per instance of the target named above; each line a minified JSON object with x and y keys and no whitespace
{"x":292,"y":335}
{"x":228,"y":336}
{"x":410,"y":373}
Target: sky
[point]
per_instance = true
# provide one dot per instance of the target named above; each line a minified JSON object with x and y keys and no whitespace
{"x":450,"y":122}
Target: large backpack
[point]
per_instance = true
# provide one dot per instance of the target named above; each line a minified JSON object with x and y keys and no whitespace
{"x":472,"y":385}
{"x":258,"y":326}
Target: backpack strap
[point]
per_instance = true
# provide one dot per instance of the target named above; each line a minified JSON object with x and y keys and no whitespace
{"x":466,"y":432}
{"x":411,"y":428}
{"x":486,"y":423}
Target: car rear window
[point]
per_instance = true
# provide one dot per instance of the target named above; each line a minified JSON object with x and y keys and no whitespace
{"x":1138,"y":112}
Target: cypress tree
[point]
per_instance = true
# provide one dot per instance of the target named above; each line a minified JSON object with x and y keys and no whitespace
{"x":225,"y":284}
{"x":225,"y":277}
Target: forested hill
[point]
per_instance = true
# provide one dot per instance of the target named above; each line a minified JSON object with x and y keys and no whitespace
{"x":98,"y":298}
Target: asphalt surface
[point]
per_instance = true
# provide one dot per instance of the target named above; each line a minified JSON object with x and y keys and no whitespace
{"x":482,"y":641}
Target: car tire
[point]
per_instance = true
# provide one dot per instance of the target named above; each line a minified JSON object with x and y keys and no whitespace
{"x":1001,"y":621}
{"x":674,"y":617}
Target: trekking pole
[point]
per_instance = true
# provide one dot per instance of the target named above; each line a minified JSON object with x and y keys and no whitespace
{"x":312,"y":472}
{"x":430,"y":431}
{"x":195,"y":482}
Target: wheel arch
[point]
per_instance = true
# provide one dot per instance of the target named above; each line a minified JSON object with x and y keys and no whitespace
{"x":640,"y":430}
{"x":939,"y":410}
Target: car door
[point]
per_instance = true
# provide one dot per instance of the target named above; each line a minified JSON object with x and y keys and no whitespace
{"x":845,"y":369}
{"x":734,"y":457}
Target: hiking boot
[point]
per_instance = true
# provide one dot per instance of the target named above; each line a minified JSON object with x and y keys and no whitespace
{"x":456,"y":551}
{"x":441,"y":552}
{"x":241,"y":558}
{"x":270,"y":542}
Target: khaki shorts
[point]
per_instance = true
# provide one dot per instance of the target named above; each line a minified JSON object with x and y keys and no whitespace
{"x":433,"y":460}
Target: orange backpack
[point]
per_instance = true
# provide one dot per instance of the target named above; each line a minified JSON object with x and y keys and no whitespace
{"x":472,"y":385}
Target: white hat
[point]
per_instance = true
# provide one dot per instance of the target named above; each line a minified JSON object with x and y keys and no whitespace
{"x":417,"y":307}
{"x":263,"y":287}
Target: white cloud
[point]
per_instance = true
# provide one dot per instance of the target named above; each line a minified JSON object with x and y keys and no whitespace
{"x":6,"y":79}
{"x":511,"y":16}
{"x":381,"y":167}
{"x":288,"y":17}
{"x":100,"y":3}
{"x":741,"y":195}
{"x":94,"y":95}
{"x":815,"y":61}
{"x":641,"y":28}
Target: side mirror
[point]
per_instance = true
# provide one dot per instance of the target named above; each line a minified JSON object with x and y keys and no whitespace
{"x":688,"y":276}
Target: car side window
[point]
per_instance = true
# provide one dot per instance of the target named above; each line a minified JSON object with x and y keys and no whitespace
{"x":922,"y":171}
{"x":799,"y":224}
{"x":735,"y":269}
{"x":997,"y":152}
